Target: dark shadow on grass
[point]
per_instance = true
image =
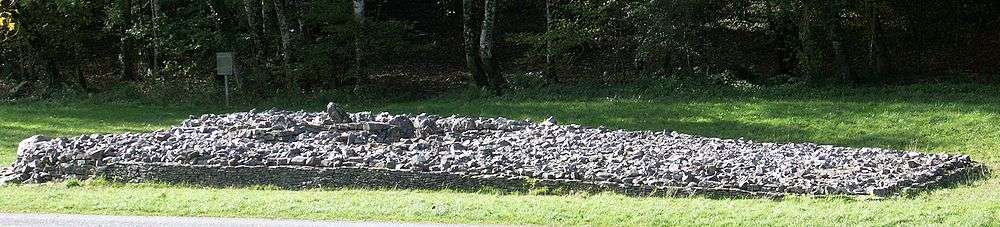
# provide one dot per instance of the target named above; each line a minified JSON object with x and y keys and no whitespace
{"x":652,"y":114}
{"x":702,"y":119}
{"x":963,"y":178}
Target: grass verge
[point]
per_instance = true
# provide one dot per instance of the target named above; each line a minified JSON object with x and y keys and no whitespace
{"x":952,"y":119}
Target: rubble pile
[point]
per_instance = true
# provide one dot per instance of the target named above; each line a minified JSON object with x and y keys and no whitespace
{"x":490,"y":148}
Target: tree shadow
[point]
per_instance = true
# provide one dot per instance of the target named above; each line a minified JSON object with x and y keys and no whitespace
{"x":963,"y":178}
{"x":710,"y":119}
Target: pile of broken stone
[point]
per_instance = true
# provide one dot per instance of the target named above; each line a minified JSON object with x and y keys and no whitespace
{"x":491,"y":147}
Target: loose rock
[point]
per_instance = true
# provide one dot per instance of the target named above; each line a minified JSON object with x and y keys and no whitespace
{"x":550,"y":121}
{"x":337,"y":113}
{"x":490,"y":147}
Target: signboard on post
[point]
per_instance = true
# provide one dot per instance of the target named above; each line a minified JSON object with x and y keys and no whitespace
{"x":224,"y":63}
{"x":224,"y":67}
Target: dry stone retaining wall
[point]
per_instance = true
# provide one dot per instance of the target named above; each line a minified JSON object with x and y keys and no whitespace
{"x":304,"y":177}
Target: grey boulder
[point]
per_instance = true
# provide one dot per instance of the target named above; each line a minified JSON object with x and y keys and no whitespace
{"x":337,"y":113}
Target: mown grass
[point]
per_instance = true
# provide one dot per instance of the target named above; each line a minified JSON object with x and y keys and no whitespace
{"x":952,"y":119}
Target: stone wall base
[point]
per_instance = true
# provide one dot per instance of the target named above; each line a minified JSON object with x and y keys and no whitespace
{"x":303,"y":177}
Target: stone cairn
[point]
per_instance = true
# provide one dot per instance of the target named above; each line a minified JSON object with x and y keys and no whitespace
{"x":490,"y":148}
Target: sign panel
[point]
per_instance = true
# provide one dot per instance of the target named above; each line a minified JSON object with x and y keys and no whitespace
{"x":224,"y":63}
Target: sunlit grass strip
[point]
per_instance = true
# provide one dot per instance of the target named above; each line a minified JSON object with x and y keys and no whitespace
{"x":931,"y":119}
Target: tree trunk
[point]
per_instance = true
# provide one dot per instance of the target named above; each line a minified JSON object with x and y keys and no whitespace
{"x":217,"y":27}
{"x":265,"y":34}
{"x":835,"y":29}
{"x":286,"y":38}
{"x":814,"y":37}
{"x":359,"y":17}
{"x":472,"y":61}
{"x":550,"y":75}
{"x":81,"y":79}
{"x":843,"y":71}
{"x":486,"y":43}
{"x":264,"y":15}
{"x":782,"y":26}
{"x":249,"y":69}
{"x":248,"y":6}
{"x":298,"y":9}
{"x":125,"y":62}
{"x":876,"y":60}
{"x":156,"y":41}
{"x":55,"y":82}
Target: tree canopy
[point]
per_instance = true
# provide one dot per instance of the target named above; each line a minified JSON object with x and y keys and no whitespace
{"x":301,"y":46}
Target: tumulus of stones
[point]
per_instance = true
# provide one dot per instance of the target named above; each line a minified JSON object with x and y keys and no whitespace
{"x":482,"y":148}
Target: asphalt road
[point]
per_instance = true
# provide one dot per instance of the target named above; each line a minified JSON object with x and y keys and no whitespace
{"x":140,"y":221}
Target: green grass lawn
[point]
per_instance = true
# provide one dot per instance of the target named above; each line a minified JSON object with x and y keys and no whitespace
{"x":952,"y":119}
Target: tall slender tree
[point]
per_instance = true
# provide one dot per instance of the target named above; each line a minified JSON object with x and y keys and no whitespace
{"x":249,"y":7}
{"x":835,"y":28}
{"x":251,"y":74}
{"x":55,"y":82}
{"x":550,"y":75}
{"x":265,"y":9}
{"x":266,"y":27}
{"x":359,"y":17}
{"x":155,"y":70}
{"x":285,"y":32}
{"x":298,"y":9}
{"x":821,"y":55}
{"x":486,"y":42}
{"x":876,"y":58}
{"x":125,"y":63}
{"x":472,"y":62}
